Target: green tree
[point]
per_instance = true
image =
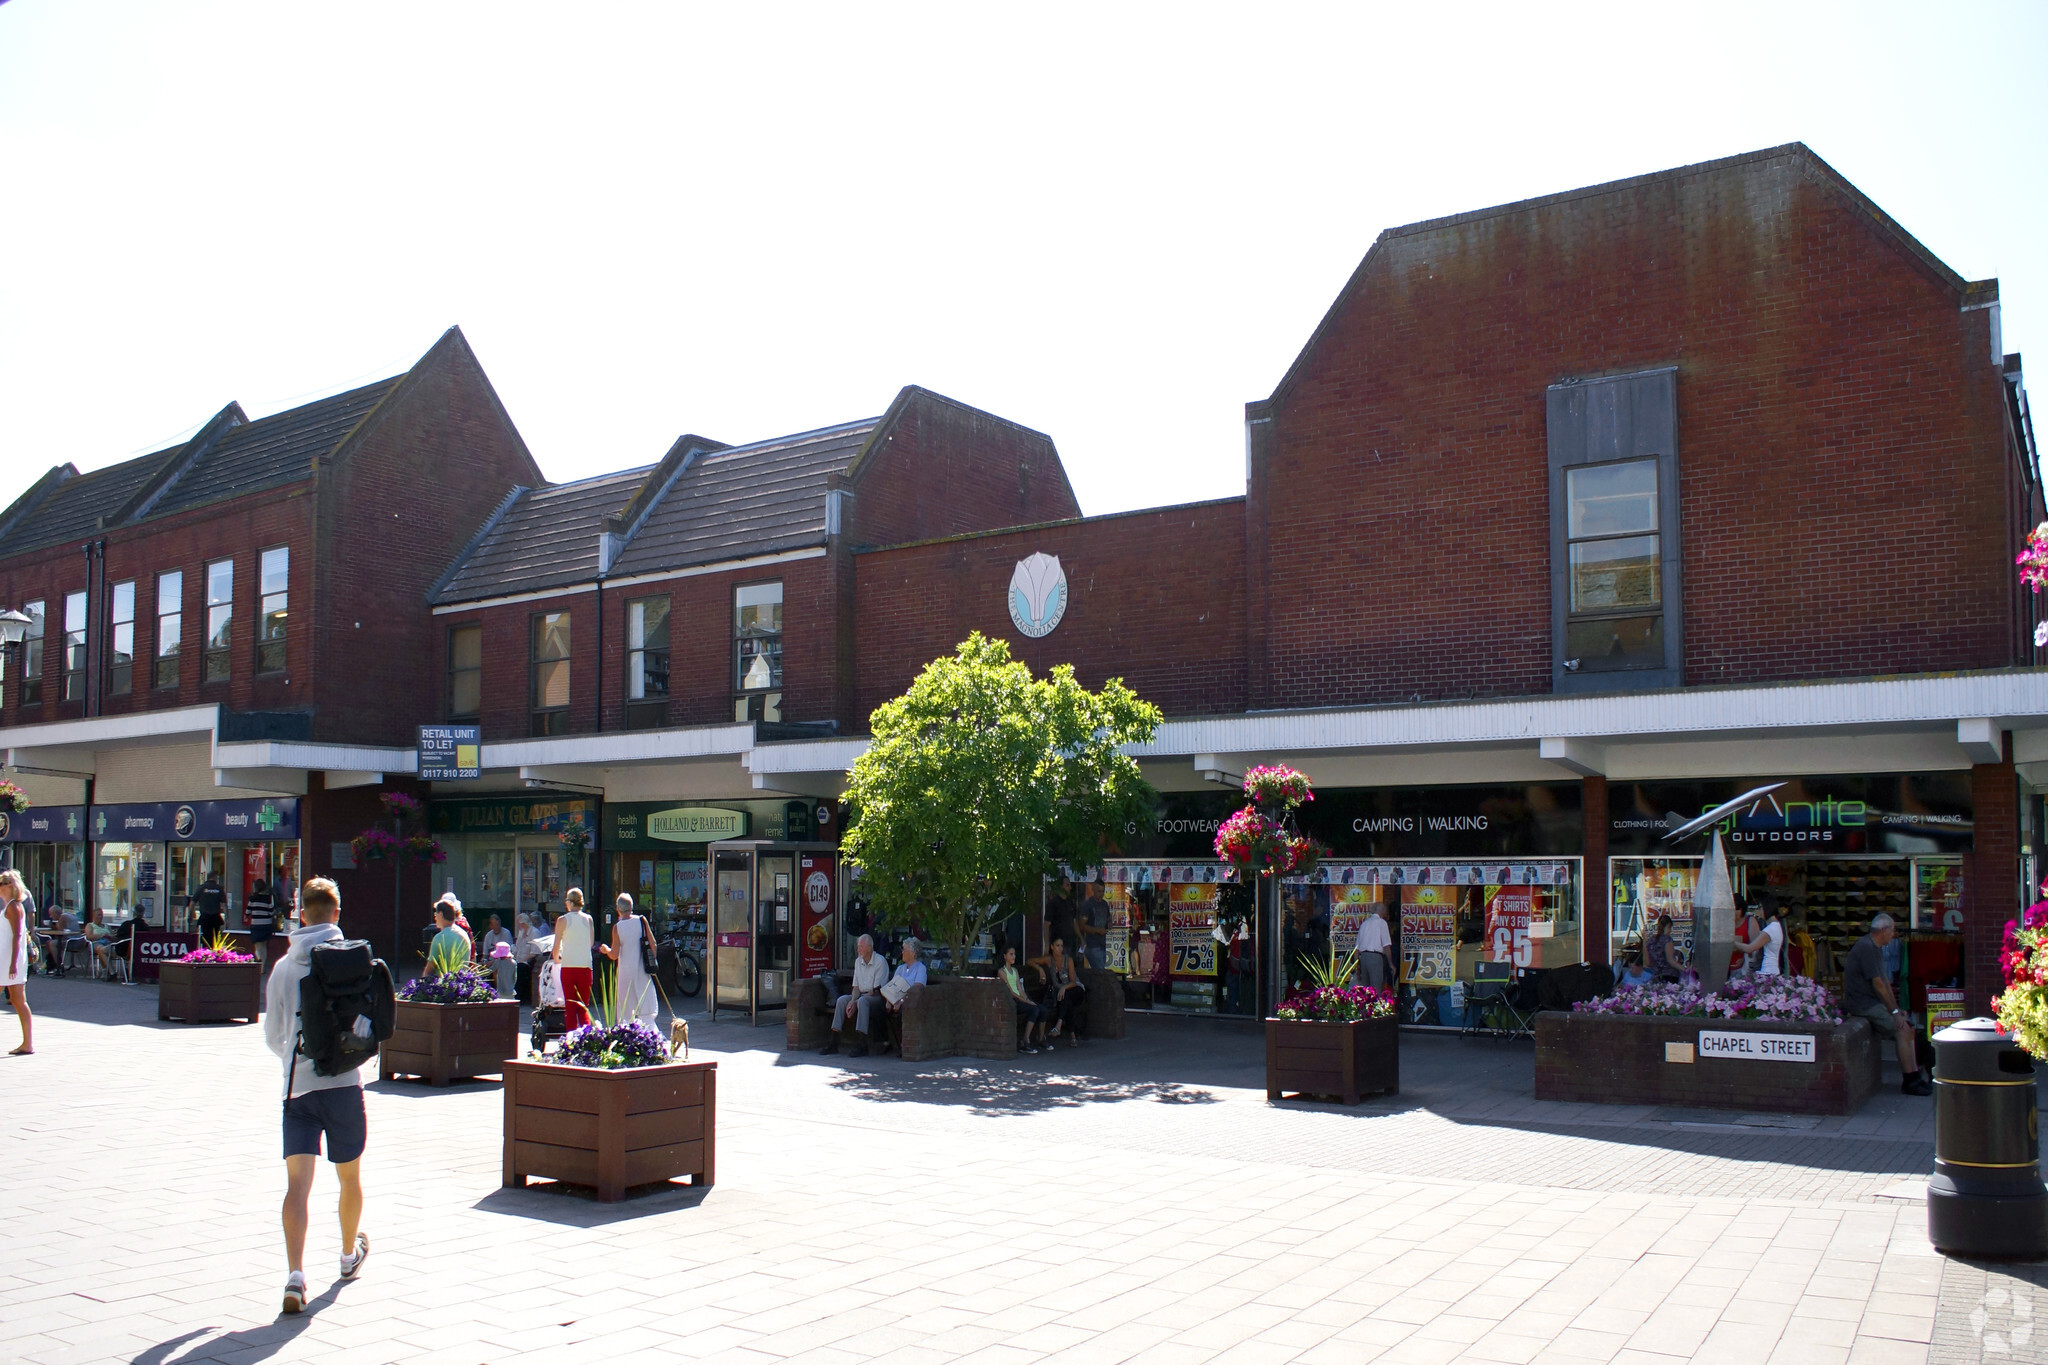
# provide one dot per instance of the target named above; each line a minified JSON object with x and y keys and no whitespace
{"x":981,"y":780}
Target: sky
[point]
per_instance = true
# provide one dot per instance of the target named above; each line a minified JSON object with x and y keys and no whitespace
{"x":1114,"y":223}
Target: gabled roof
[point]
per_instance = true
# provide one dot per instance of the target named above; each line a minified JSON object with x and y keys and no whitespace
{"x":756,"y":499}
{"x":548,"y":538}
{"x":74,"y":504}
{"x":273,"y":450}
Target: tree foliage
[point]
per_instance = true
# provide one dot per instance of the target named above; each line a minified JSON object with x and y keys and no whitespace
{"x":982,"y":779}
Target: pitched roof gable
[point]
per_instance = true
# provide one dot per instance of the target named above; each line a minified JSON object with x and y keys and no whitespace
{"x":548,"y":538}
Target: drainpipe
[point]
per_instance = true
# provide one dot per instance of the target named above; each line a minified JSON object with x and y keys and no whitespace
{"x":96,"y":625}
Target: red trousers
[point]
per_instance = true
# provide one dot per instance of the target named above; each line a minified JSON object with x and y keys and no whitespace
{"x":576,"y":995}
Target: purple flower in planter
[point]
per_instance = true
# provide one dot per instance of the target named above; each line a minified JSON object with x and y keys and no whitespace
{"x":463,"y":986}
{"x":631,"y":1044}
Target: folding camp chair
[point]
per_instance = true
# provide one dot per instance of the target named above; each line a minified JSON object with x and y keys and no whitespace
{"x":1493,"y":1004}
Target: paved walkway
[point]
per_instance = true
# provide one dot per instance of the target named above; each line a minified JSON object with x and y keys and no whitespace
{"x":1133,"y":1201}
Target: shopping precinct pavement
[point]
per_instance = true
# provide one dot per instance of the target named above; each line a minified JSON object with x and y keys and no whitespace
{"x":1125,"y":1201}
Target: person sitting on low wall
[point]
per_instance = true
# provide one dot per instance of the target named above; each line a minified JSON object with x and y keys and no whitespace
{"x":862,"y":1005}
{"x":1867,"y":994}
{"x":1028,"y":1010}
{"x":909,"y":973}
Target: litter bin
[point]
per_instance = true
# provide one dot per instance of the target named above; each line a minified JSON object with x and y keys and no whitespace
{"x":1986,"y":1197}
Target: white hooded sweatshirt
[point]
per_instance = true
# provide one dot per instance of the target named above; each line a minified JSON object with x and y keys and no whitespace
{"x":281,"y":1014}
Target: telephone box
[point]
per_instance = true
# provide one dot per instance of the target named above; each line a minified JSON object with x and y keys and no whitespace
{"x":774,"y":920}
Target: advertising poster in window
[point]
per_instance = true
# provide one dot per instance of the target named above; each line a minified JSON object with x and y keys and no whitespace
{"x":1938,"y":899}
{"x":1642,"y":889}
{"x":815,"y":914}
{"x":1349,"y":906}
{"x":1428,"y":943}
{"x":1508,"y":910}
{"x":1192,"y":929}
{"x":1116,"y":943}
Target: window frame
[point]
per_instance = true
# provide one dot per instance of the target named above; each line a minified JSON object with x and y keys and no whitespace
{"x":448,"y":700}
{"x":551,"y":720}
{"x":647,"y":709}
{"x":38,"y":613}
{"x":271,"y":660}
{"x":218,"y":659}
{"x":1613,"y":419}
{"x":76,"y":637}
{"x":758,"y":703}
{"x":120,"y":680}
{"x":158,"y":659}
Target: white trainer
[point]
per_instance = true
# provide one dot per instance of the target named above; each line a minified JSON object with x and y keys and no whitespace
{"x":353,"y":1263}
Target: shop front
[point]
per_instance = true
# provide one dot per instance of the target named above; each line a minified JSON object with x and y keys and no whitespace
{"x":507,"y":856}
{"x":1462,"y":875}
{"x":1831,"y":852}
{"x":152,"y":860}
{"x":46,"y":844}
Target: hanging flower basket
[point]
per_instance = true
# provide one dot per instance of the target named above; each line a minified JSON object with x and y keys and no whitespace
{"x":1261,"y":840}
{"x":13,"y":797}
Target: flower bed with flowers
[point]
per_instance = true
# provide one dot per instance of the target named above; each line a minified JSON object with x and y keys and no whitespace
{"x":1778,"y":999}
{"x":463,"y":986}
{"x":610,"y":1109}
{"x":2022,"y":1007}
{"x":633,"y":1043}
{"x":211,"y":957}
{"x":1337,"y":1004}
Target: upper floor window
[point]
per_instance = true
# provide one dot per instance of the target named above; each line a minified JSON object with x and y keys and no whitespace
{"x":220,"y":617}
{"x":550,"y":666}
{"x":32,"y":655}
{"x":121,"y":625}
{"x":757,"y":636}
{"x":1616,"y":613}
{"x":273,"y":570}
{"x":465,"y":671}
{"x":1614,"y":533}
{"x":170,"y":619}
{"x":74,"y":646}
{"x":647,"y":661}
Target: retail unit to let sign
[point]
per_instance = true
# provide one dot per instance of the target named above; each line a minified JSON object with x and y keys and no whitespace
{"x":451,"y":753}
{"x":1756,"y":1047}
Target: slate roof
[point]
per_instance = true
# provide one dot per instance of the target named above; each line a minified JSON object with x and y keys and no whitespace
{"x":546,"y":539}
{"x":272,"y":450}
{"x":757,"y":499}
{"x":73,"y":508}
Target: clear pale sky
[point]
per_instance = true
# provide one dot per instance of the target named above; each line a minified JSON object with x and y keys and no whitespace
{"x":1115,"y":223}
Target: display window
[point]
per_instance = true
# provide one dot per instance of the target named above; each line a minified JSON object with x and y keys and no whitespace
{"x":54,"y":873}
{"x":671,"y":892}
{"x":114,"y":890}
{"x":1178,"y":935}
{"x":1640,"y":892}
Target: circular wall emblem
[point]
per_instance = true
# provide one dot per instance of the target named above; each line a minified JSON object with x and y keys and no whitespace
{"x":1038,"y":595}
{"x":184,"y":822}
{"x":3,"y":824}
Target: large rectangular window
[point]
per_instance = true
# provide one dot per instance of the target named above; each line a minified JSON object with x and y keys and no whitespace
{"x":647,"y":661}
{"x":1617,"y":601}
{"x":32,"y":655}
{"x":220,"y":617}
{"x":121,"y":623}
{"x":550,"y":687}
{"x":465,"y":671}
{"x":1614,"y":554}
{"x":274,"y":573}
{"x":74,"y":646}
{"x":170,"y":625}
{"x":757,"y":646}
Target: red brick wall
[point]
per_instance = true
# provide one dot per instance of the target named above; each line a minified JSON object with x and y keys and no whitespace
{"x":940,"y":468}
{"x":1994,"y":884}
{"x":399,"y":507}
{"x":240,"y":530}
{"x":1843,"y":468}
{"x":329,"y":818}
{"x":1156,"y":598}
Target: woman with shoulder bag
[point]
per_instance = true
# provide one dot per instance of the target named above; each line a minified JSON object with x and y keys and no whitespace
{"x":629,"y":948}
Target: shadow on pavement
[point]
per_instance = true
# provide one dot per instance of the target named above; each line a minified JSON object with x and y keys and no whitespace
{"x":996,"y":1088}
{"x":244,"y":1347}
{"x":576,"y":1206}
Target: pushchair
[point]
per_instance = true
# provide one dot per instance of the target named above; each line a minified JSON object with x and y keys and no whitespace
{"x":550,"y":1006}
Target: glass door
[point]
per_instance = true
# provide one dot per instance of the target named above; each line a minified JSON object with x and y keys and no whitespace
{"x":776,"y":954}
{"x":733,"y":965}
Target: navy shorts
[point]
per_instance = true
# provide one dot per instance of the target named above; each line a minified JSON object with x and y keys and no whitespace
{"x":338,"y":1113}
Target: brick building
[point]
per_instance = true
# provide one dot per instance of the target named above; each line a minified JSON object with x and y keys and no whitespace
{"x":229,"y":642}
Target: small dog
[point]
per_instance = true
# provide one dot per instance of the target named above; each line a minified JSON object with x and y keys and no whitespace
{"x":679,"y":1038}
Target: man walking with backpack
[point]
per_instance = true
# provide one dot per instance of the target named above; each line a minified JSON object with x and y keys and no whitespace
{"x":320,"y":1105}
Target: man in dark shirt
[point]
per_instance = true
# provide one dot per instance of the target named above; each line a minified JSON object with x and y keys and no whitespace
{"x":212,"y":902}
{"x":1867,"y":994}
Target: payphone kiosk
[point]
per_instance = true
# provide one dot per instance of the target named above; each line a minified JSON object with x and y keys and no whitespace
{"x":774,"y":920}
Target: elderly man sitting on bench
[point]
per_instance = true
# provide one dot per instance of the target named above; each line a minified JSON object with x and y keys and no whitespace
{"x":863,"y":1004}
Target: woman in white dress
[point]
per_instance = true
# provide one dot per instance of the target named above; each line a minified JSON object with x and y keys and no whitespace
{"x":14,"y":932}
{"x":635,"y":986}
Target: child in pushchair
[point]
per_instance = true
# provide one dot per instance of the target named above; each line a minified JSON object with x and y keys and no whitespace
{"x":550,"y":1007}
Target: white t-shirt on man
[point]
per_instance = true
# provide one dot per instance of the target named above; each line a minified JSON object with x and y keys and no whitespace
{"x":1373,"y":936}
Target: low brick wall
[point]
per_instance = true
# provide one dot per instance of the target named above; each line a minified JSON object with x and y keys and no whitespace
{"x":807,"y":1015}
{"x":952,"y":1017}
{"x":1621,"y":1059}
{"x":1105,"y":1004}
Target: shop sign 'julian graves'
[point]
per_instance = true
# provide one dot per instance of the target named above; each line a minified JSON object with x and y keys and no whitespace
{"x":1038,"y":595}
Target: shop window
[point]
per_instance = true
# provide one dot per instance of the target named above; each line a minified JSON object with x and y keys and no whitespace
{"x":757,"y":637}
{"x":170,"y":620}
{"x":550,"y":670}
{"x":74,"y":646}
{"x":32,"y":655}
{"x":647,"y":661}
{"x":121,"y":625}
{"x":220,"y":617}
{"x":1614,"y":533}
{"x":274,"y":571}
{"x":465,"y":671}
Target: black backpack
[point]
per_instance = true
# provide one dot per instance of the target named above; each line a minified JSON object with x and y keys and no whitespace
{"x":344,"y":982}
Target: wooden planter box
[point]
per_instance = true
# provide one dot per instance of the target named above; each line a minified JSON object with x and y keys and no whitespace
{"x":1660,"y":1059}
{"x":610,"y":1129}
{"x":209,"y":992}
{"x":443,"y":1043}
{"x":1362,"y":1057}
